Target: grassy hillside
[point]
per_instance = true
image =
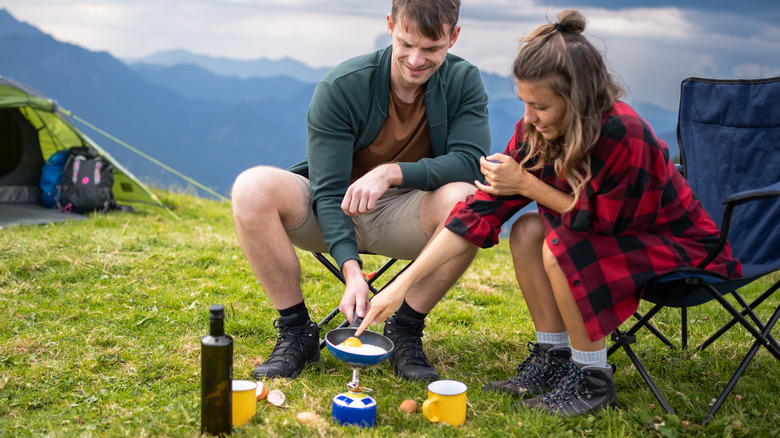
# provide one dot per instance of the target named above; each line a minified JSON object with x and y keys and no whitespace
{"x":100,"y":322}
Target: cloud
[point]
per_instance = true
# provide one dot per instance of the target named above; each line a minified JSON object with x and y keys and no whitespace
{"x":651,"y":44}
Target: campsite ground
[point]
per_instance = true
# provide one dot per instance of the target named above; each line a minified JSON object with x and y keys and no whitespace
{"x":100,"y":322}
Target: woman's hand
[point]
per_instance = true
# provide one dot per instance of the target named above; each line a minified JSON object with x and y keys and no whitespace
{"x":504,"y":176}
{"x":443,"y":247}
{"x":383,"y":305}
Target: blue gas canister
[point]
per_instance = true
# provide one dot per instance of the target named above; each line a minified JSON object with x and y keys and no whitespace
{"x":351,"y":408}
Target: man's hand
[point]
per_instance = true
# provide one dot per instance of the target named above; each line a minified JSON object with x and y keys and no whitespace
{"x":355,"y":298}
{"x":362,"y":195}
{"x":383,"y":305}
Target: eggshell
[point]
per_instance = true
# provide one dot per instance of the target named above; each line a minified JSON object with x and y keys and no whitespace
{"x":307,"y":417}
{"x":409,"y":406}
{"x":276,"y":397}
{"x":262,"y":391}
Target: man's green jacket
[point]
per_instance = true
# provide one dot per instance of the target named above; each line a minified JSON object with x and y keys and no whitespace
{"x":347,"y":112}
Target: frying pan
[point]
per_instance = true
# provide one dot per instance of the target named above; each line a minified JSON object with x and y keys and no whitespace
{"x":337,"y":336}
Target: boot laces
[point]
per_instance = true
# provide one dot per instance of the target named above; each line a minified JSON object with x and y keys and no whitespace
{"x":573,"y":385}
{"x":529,"y":370}
{"x":408,"y":344}
{"x":289,"y":343}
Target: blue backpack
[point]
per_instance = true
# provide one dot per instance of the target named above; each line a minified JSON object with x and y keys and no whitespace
{"x":51,"y":178}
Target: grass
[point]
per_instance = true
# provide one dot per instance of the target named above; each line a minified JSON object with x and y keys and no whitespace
{"x":100,"y":322}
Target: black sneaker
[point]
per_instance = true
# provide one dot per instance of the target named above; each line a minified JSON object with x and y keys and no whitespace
{"x":583,"y":390}
{"x":538,"y":373}
{"x":408,"y":355}
{"x":296,"y":347}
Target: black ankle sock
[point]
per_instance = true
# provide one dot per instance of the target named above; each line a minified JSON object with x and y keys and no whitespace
{"x":298,"y":310}
{"x":407,"y":311}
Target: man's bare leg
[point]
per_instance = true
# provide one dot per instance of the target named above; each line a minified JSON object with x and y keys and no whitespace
{"x":267,"y":200}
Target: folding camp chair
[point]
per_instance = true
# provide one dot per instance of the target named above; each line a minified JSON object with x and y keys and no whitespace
{"x":371,"y":279}
{"x":729,"y":137}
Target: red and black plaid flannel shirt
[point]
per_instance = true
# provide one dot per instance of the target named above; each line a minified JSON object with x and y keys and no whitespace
{"x":636,"y":219}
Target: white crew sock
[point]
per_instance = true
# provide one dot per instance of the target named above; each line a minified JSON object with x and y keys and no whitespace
{"x":557,"y":340}
{"x":596,"y":358}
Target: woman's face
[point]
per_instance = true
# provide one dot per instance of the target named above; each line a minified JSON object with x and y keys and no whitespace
{"x":545,"y":110}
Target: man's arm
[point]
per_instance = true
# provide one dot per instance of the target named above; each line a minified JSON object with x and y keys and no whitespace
{"x":329,"y":149}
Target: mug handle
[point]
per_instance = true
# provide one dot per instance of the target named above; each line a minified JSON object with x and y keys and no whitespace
{"x":430,"y":409}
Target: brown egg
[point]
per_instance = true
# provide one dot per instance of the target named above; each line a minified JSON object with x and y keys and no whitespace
{"x":409,"y":406}
{"x":307,"y":417}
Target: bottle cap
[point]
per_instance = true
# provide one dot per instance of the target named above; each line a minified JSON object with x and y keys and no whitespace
{"x":217,"y":311}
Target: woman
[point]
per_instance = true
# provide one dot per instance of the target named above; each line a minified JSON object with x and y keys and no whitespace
{"x":613,"y":214}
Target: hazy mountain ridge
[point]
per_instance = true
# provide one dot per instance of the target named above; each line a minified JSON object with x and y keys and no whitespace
{"x":256,"y":68}
{"x":190,"y":112}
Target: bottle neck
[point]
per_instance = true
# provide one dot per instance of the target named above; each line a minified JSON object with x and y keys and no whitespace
{"x":217,"y":327}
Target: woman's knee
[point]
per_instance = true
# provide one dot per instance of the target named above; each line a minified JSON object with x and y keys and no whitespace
{"x":527,"y":232}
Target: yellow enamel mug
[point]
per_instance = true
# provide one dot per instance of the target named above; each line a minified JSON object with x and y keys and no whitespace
{"x":446,"y":402}
{"x":244,"y":401}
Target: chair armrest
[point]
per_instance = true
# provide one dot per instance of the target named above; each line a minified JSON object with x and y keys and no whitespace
{"x":731,"y":202}
{"x":754,"y":194}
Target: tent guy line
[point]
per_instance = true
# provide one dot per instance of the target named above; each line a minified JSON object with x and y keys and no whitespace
{"x":144,"y":155}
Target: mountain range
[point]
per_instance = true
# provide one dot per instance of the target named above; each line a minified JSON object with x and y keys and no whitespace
{"x":207,"y":117}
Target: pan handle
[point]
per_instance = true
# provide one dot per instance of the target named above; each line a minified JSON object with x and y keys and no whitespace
{"x":356,"y":321}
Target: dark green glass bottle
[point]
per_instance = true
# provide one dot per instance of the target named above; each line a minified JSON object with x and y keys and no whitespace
{"x":216,"y":374}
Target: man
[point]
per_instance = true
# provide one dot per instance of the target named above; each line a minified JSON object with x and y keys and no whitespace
{"x":393,"y":142}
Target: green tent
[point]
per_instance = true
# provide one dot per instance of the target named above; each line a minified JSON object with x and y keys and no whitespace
{"x":32,"y":128}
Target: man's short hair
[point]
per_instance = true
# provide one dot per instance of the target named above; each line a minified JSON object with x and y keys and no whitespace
{"x":429,"y":16}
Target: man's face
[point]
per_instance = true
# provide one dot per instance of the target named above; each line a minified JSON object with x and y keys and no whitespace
{"x":416,"y":57}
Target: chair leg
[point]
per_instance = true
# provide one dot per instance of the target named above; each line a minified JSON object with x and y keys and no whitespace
{"x":746,"y":309}
{"x":647,"y":324}
{"x":684,"y":329}
{"x":624,"y":340}
{"x":742,"y":366}
{"x":754,"y":330}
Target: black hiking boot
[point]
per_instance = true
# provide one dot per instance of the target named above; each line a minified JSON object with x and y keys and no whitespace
{"x":538,"y":373}
{"x":582,"y":390}
{"x":408,"y":355}
{"x":296,"y":347}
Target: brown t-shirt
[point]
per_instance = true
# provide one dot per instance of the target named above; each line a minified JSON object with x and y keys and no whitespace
{"x":404,"y":137}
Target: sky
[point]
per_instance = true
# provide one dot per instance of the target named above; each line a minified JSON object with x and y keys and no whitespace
{"x":650,"y":45}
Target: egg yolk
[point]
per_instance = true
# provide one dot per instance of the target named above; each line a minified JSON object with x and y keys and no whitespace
{"x":352,"y":342}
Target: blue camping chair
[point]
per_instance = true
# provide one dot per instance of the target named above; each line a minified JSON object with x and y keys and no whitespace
{"x":729,"y":137}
